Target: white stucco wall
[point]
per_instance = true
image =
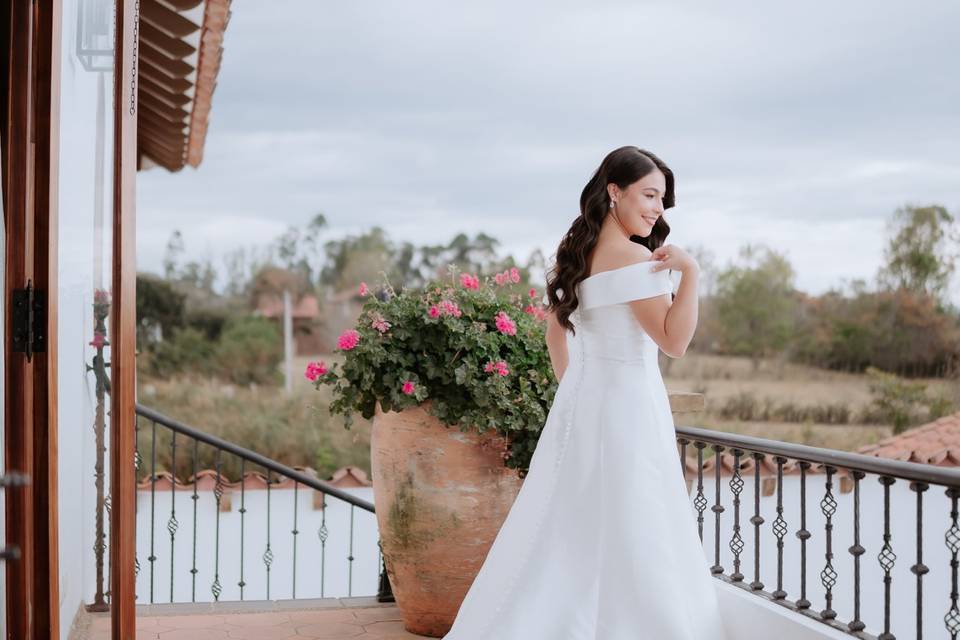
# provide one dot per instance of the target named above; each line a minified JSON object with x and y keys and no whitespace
{"x":84,"y":203}
{"x":340,"y":577}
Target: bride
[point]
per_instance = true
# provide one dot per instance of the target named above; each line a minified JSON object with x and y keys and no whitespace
{"x":601,"y":542}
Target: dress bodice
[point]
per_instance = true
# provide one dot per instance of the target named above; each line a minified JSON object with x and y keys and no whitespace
{"x":606,"y":327}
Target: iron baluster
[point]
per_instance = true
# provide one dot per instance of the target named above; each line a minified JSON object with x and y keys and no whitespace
{"x":828,"y":576}
{"x":736,"y":541}
{"x":756,"y":520}
{"x":803,"y":534}
{"x":887,"y":558}
{"x":717,"y":509}
{"x":779,"y":529}
{"x":856,"y":550}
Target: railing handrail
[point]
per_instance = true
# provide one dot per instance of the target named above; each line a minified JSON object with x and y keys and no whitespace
{"x":913,"y":471}
{"x":252,"y":456}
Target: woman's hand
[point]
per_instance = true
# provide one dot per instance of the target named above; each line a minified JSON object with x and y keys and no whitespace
{"x":673,"y":257}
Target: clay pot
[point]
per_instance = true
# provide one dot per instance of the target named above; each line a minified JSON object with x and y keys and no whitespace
{"x":441,"y":496}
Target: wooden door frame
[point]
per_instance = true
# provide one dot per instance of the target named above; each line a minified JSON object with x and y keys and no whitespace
{"x":123,"y":521}
{"x":30,"y":161}
{"x":30,"y":116}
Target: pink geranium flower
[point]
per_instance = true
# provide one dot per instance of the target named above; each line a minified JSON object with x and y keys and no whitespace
{"x":380,"y":324}
{"x":504,"y":324}
{"x":363,"y":289}
{"x":408,"y":387}
{"x":514,"y":274}
{"x":450,"y":308}
{"x":348,"y":339}
{"x":469,"y":282}
{"x":315,"y":370}
{"x":434,"y":311}
{"x":536,"y":311}
{"x":533,"y":292}
{"x":499,"y":279}
{"x":500,"y":367}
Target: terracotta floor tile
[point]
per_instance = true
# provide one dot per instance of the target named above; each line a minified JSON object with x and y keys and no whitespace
{"x":330,"y":631}
{"x":193,"y":634}
{"x":375,"y":614}
{"x":321,"y":616}
{"x":262,"y":633}
{"x":384,"y":626}
{"x":200,"y":621}
{"x":267,"y":619}
{"x":322,"y":623}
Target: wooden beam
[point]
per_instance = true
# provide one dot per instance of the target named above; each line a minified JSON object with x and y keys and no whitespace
{"x":122,"y":328}
{"x":166,"y":19}
{"x":173,"y":47}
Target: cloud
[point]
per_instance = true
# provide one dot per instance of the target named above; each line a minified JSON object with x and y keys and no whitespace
{"x":804,"y":124}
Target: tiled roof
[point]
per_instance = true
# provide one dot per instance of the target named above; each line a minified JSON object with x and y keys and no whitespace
{"x":936,"y":443}
{"x":348,"y":476}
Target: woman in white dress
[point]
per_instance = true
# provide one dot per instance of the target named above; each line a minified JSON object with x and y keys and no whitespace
{"x":601,"y":542}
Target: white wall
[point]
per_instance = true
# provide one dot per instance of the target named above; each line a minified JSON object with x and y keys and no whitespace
{"x":84,"y":200}
{"x":336,"y":574}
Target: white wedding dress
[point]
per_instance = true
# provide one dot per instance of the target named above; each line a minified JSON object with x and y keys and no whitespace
{"x":601,"y":542}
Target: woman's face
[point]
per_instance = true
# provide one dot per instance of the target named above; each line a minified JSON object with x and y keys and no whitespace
{"x":640,"y":204}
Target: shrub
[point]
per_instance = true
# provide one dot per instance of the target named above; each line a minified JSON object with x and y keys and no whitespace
{"x":249,"y":351}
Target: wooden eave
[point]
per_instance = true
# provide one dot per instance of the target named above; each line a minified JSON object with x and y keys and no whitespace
{"x":178,"y":63}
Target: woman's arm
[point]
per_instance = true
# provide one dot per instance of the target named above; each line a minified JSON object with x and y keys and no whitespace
{"x":556,"y":345}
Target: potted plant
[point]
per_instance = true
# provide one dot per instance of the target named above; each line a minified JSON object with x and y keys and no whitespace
{"x":458,"y":382}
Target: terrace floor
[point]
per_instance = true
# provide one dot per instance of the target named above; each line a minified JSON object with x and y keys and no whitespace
{"x":361,"y":618}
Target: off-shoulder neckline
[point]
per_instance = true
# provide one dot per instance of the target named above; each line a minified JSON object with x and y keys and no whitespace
{"x":628,"y":266}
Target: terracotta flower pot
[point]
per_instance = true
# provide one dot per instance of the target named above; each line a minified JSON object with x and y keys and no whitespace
{"x":441,"y":496}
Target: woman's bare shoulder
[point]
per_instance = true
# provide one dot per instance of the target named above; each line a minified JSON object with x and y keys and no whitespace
{"x":618,"y":255}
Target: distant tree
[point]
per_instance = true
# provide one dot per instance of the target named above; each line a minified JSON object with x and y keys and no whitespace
{"x":755,"y":304}
{"x":354,"y":259}
{"x":921,"y":251}
{"x":171,"y":256}
{"x":160,"y":309}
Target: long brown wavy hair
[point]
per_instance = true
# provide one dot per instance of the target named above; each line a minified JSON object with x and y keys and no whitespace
{"x":622,"y":167}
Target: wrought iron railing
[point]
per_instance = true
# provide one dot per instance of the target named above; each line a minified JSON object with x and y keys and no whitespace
{"x":780,"y":473}
{"x":183,"y":447}
{"x":743,"y":453}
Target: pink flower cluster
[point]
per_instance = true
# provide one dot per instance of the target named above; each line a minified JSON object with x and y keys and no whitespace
{"x":348,"y":339}
{"x":469,"y":282}
{"x":445,"y":308}
{"x":408,"y":387}
{"x":537,"y":312}
{"x":363,"y":289}
{"x":511,"y":275}
{"x":315,"y":370}
{"x":504,"y":324}
{"x":499,"y":366}
{"x":380,"y":324}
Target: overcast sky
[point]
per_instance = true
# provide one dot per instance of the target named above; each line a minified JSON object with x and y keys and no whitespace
{"x":800,"y":126}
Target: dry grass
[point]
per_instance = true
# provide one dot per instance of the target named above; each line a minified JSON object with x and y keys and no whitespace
{"x":721,"y":378}
{"x":298,"y":430}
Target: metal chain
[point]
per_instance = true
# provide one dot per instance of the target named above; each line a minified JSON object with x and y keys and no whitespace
{"x":133,"y":66}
